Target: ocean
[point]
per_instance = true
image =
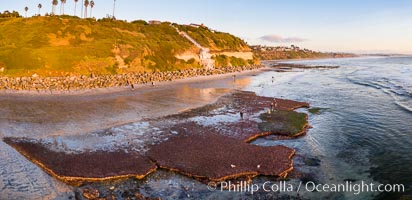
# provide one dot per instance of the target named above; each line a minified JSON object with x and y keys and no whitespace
{"x":364,"y":129}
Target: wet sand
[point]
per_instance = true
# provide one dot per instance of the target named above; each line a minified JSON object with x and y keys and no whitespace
{"x":42,"y":115}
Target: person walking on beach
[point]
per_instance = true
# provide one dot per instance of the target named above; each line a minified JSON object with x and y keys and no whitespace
{"x":130,"y":83}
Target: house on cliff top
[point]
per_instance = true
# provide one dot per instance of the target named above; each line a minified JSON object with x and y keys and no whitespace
{"x":154,"y":22}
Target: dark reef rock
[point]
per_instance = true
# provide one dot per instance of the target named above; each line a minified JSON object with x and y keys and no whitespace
{"x":75,"y":169}
{"x":213,"y":157}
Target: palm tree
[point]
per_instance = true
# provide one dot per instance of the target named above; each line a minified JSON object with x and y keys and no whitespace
{"x":75,"y":6}
{"x":64,"y":3}
{"x":82,"y":9}
{"x":114,"y":6}
{"x":26,"y":9}
{"x":62,"y":6}
{"x":91,"y":7}
{"x":39,"y":6}
{"x":55,"y":3}
{"x":86,"y":4}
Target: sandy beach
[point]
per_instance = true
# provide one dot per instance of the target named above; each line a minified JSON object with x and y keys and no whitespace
{"x":89,"y":110}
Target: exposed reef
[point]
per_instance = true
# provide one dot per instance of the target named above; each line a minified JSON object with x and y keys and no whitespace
{"x":213,"y":157}
{"x":223,"y":116}
{"x":210,"y":143}
{"x":287,"y":123}
{"x":285,"y":66}
{"x":75,"y":169}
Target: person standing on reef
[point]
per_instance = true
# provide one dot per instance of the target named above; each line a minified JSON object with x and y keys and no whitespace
{"x":271,"y":106}
{"x":241,"y":114}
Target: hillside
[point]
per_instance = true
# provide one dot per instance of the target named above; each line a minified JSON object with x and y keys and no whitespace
{"x":64,"y":45}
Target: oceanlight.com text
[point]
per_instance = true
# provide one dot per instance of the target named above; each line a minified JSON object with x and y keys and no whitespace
{"x":283,"y":186}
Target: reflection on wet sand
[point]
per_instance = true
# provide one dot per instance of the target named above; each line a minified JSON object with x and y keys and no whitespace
{"x":76,"y":115}
{"x":242,"y":82}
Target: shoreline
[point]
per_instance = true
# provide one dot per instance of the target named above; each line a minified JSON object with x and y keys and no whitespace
{"x":93,"y":109}
{"x":119,"y":89}
{"x":210,"y":75}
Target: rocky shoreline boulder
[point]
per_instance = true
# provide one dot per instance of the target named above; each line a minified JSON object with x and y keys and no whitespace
{"x":82,"y":82}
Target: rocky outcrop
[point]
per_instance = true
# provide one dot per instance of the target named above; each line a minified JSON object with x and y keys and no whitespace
{"x":69,"y":83}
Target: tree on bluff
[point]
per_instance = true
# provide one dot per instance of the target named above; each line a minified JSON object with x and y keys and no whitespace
{"x":8,"y":14}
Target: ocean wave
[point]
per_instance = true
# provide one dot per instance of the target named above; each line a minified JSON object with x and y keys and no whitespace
{"x":403,"y":101}
{"x":363,"y":82}
{"x":401,"y":94}
{"x":405,"y":106}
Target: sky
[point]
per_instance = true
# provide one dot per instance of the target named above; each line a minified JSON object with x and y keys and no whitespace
{"x":359,"y":26}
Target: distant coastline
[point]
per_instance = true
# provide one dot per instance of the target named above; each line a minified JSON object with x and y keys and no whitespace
{"x":294,"y":53}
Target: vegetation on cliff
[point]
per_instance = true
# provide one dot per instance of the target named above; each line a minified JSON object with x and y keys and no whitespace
{"x":214,"y":40}
{"x":224,"y":60}
{"x":63,"y":45}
